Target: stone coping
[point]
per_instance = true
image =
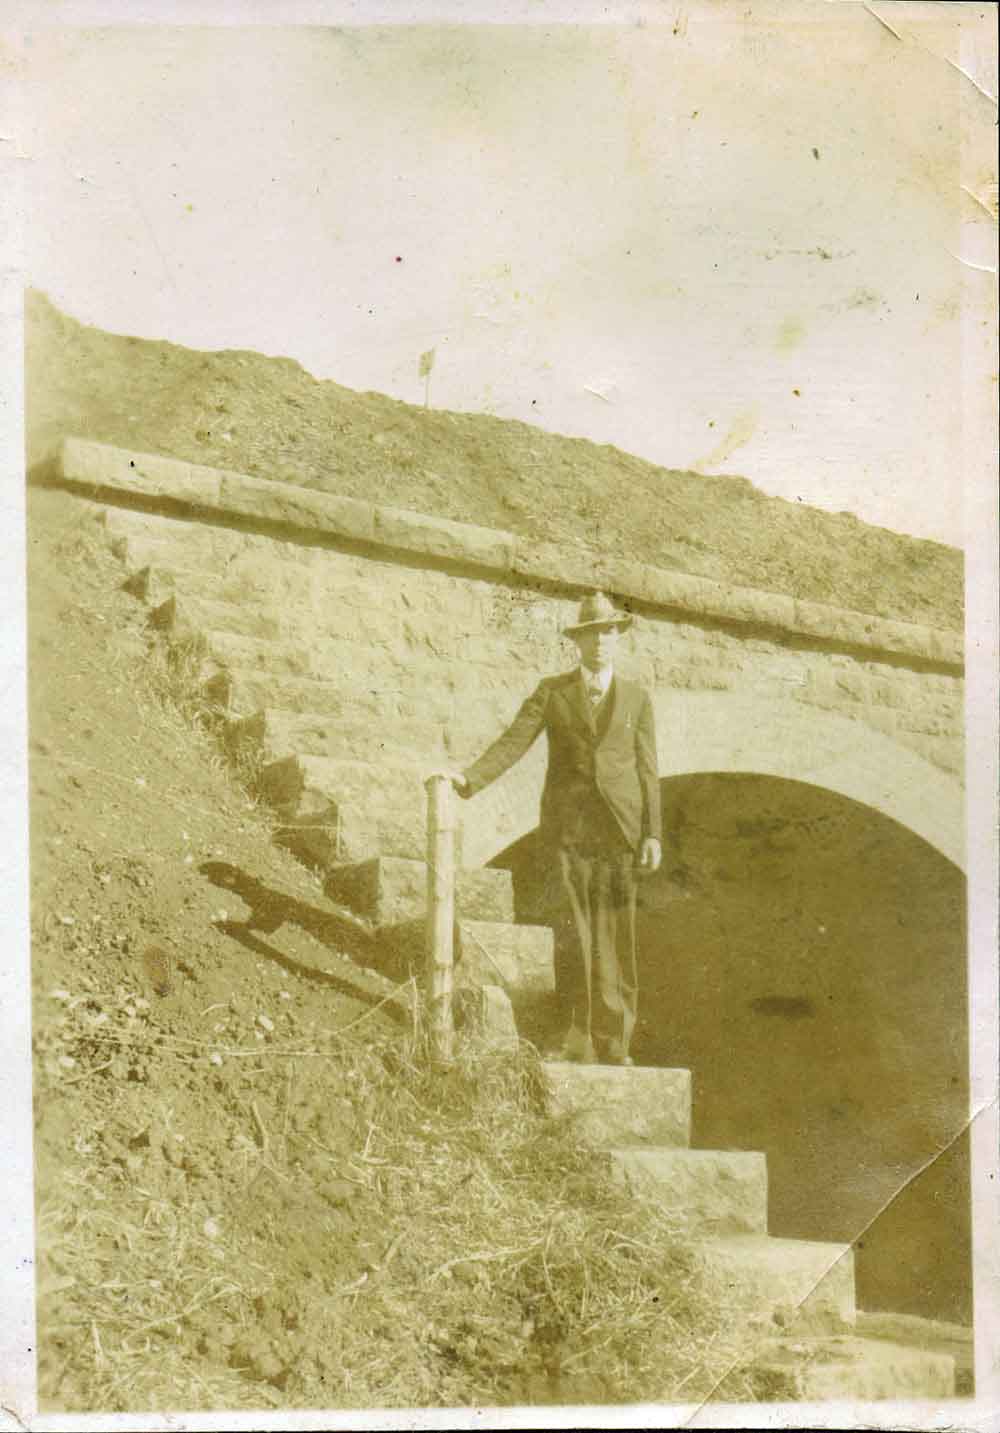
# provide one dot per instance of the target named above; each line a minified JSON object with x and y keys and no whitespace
{"x":86,"y":464}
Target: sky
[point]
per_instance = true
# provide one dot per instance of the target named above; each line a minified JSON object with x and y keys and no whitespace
{"x":721,"y":243}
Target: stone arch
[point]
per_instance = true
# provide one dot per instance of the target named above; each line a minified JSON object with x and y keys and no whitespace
{"x":722,"y":732}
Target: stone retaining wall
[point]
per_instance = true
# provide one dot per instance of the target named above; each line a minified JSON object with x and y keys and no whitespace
{"x":436,"y":630}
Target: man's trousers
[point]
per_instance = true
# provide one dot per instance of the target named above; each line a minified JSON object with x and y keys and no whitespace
{"x":595,"y":963}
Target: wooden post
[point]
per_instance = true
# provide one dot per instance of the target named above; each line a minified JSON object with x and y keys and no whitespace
{"x":440,"y":914}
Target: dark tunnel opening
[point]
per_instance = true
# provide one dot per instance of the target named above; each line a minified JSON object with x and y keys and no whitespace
{"x":805,"y":957}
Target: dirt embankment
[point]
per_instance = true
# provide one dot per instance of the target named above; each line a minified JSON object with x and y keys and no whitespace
{"x":250,"y":1191}
{"x":269,"y":417}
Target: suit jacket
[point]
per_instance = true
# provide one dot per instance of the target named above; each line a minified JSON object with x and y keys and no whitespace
{"x":612,"y":755}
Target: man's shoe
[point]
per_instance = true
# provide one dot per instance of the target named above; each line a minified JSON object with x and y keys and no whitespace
{"x":573,"y":1052}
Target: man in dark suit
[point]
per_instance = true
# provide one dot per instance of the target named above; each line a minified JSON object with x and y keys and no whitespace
{"x":600,"y":820}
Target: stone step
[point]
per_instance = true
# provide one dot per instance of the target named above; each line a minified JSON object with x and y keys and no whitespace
{"x":932,"y":1335}
{"x":191,"y":616}
{"x":352,"y":735}
{"x":142,"y":539}
{"x":342,"y":667}
{"x":376,"y":809}
{"x":154,"y":583}
{"x":708,"y":1191}
{"x":518,"y":958}
{"x":617,"y":1107}
{"x":245,"y":580}
{"x":863,"y":1370}
{"x":251,"y":689}
{"x":234,"y":649}
{"x":809,"y":1285}
{"x":389,"y":890}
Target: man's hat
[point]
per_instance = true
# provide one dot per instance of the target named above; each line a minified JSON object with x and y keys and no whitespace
{"x":598,"y":611}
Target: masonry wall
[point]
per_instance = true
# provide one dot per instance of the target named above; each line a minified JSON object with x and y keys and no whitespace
{"x":451,"y":656}
{"x":421,"y":637}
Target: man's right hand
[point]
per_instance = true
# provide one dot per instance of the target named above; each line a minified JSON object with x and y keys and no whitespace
{"x":457,"y":778}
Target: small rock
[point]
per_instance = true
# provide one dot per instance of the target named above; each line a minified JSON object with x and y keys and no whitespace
{"x":211,"y":1229}
{"x":156,"y":964}
{"x":266,"y":1023}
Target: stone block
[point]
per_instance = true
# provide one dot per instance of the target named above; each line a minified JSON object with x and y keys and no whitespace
{"x":348,"y":662}
{"x":187,"y":616}
{"x":944,"y":752}
{"x":952,"y":1340}
{"x":548,"y":562}
{"x":618,"y":1107}
{"x":885,"y":692}
{"x":882,"y":719}
{"x":698,"y":679}
{"x":390,"y":890}
{"x":485,"y":1015}
{"x":856,"y":1369}
{"x":92,"y":464}
{"x":485,"y":895}
{"x":174,"y":543}
{"x":830,"y":624}
{"x":752,"y":607}
{"x":380,"y":808}
{"x":516,"y":957}
{"x":313,"y":841}
{"x":925,"y":723}
{"x":370,"y":625}
{"x":706,"y":1191}
{"x":458,"y":542}
{"x":254,"y":690}
{"x":233,"y":649}
{"x":811,"y":1284}
{"x":681,"y":591}
{"x":289,"y":505}
{"x":150,"y":584}
{"x":936,"y":645}
{"x":352,"y":734}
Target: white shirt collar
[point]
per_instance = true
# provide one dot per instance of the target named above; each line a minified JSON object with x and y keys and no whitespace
{"x":603,"y":678}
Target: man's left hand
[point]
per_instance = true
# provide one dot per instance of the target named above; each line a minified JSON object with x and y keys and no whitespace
{"x":650,"y":855}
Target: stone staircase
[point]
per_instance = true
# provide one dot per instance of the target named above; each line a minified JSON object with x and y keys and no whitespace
{"x":794,"y":1296}
{"x":343,"y":762}
{"x":343,"y":765}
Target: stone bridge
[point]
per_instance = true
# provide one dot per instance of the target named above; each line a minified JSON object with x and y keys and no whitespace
{"x":376,"y":642}
{"x":802,"y":949}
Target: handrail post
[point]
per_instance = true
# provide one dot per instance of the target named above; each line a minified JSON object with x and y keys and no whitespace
{"x":440,"y":936}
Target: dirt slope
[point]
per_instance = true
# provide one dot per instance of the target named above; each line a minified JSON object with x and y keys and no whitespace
{"x":269,"y":417}
{"x":145,"y":955}
{"x":250,"y":1192}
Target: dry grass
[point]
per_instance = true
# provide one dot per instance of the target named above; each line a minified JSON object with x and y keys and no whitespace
{"x":494,"y":1260}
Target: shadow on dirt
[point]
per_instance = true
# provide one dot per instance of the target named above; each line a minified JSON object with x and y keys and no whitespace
{"x":270,"y":909}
